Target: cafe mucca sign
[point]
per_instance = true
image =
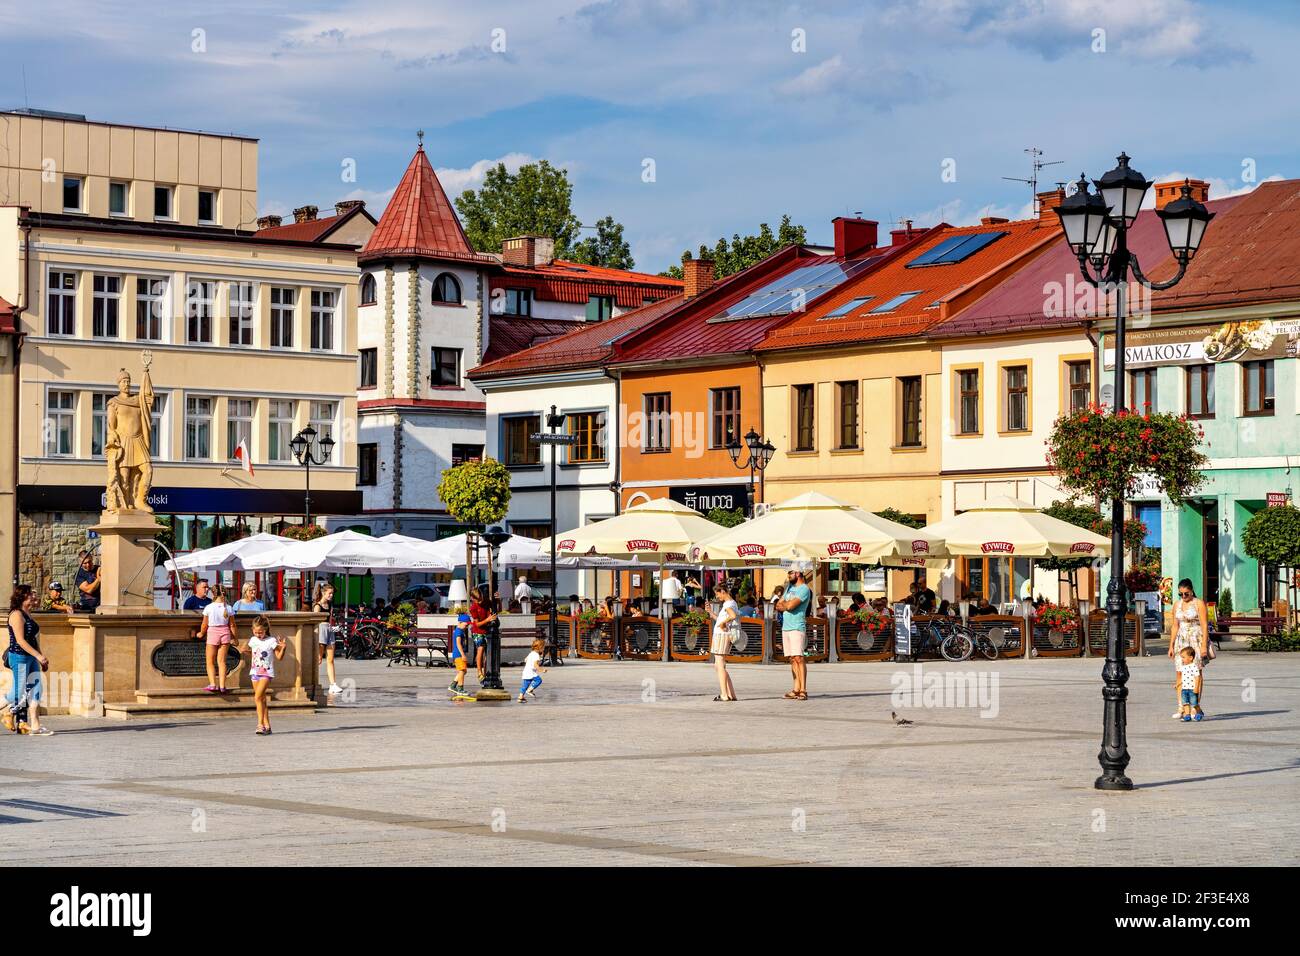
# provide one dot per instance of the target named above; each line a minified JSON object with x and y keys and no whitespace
{"x":704,"y":498}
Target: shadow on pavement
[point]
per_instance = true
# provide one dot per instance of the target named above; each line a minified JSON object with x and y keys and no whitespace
{"x":1293,"y":765}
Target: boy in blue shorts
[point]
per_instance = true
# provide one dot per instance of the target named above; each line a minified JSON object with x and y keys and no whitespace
{"x":459,"y":653}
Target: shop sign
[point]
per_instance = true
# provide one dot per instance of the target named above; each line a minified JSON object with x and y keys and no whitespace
{"x":1248,"y":340}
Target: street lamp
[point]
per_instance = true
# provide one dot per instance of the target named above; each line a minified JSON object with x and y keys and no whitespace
{"x":493,"y":537}
{"x":1096,"y":226}
{"x":304,"y":450}
{"x":554,"y":421}
{"x":760,"y":454}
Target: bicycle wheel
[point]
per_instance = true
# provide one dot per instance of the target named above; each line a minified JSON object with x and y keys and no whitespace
{"x":369,"y":642}
{"x":957,"y":647}
{"x":987,"y":648}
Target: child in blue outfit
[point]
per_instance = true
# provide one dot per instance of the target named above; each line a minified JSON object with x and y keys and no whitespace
{"x":532,"y":664}
{"x":459,"y":652}
{"x":1189,"y":681}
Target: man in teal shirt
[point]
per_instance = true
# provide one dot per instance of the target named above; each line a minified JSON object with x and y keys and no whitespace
{"x":794,"y":631}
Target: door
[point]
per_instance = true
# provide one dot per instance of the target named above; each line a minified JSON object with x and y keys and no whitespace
{"x":1210,"y":558}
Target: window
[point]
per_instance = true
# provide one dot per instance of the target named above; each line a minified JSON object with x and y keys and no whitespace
{"x":239,"y":424}
{"x":537,"y":530}
{"x":280,"y":430}
{"x":847,"y":307}
{"x":162,"y":202}
{"x":60,"y":423}
{"x":445,"y":368}
{"x":322,"y":319}
{"x":657,"y":412}
{"x":725,"y":403}
{"x":150,"y":302}
{"x":446,"y":290}
{"x":805,"y":418}
{"x":1142,"y":390}
{"x":369,"y":368}
{"x":968,"y":401}
{"x":72,"y":188}
{"x":62,"y":307}
{"x":1079,"y":383}
{"x":910,"y":411}
{"x":600,"y":308}
{"x":517,"y":440}
{"x":198,"y":428}
{"x":119,"y":196}
{"x":98,"y":423}
{"x":1257,"y":381}
{"x":369,"y":289}
{"x":198,"y":325}
{"x":241,"y":313}
{"x":463,"y":453}
{"x":1200,"y":391}
{"x":519,"y":301}
{"x":1015,"y":383}
{"x":367,"y":464}
{"x":283,"y":312}
{"x":848,"y":412}
{"x":104,"y":305}
{"x":589,"y":430}
{"x":158,"y":434}
{"x":894,"y":303}
{"x":322,"y":419}
{"x":207,"y":206}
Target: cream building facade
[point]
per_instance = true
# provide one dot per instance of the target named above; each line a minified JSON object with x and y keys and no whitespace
{"x":118,"y":240}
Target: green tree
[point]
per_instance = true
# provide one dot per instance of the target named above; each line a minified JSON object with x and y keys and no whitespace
{"x":476,"y":492}
{"x":1272,"y":536}
{"x":727,"y":517}
{"x":743,"y":251}
{"x":536,"y":200}
{"x":607,"y":248}
{"x":893,"y":514}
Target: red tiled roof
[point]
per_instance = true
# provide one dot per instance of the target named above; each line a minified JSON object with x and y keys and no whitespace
{"x":1022,"y":301}
{"x":945,"y":287}
{"x":562,"y":281}
{"x":314,"y":231}
{"x":589,"y":344}
{"x":508,"y":334}
{"x":419,"y":221}
{"x":8,"y":324}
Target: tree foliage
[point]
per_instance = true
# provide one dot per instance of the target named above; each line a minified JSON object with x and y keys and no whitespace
{"x":743,"y":251}
{"x":727,"y":517}
{"x":476,"y":492}
{"x":893,"y":514}
{"x":1084,"y":516}
{"x":607,"y":248}
{"x":536,"y":200}
{"x":1272,"y":536}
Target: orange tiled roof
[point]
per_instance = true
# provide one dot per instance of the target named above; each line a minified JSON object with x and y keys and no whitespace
{"x":575,"y":282}
{"x":419,"y":221}
{"x":942,"y":288}
{"x":313,"y":231}
{"x":7,"y":324}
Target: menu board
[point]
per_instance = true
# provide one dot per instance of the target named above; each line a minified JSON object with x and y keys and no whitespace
{"x":902,"y":630}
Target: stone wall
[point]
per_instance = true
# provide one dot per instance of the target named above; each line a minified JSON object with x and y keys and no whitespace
{"x":49,"y":546}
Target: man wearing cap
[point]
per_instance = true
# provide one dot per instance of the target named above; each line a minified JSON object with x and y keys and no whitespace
{"x":53,"y":600}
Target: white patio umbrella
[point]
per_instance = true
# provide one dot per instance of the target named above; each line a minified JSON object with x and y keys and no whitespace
{"x":230,"y":556}
{"x":656,"y":532}
{"x":348,"y":551}
{"x":817,"y":527}
{"x":518,"y":551}
{"x":1009,"y":527}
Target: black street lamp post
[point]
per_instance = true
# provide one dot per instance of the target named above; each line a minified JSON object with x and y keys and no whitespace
{"x":760,"y":453}
{"x":493,"y":537}
{"x":555,"y":439}
{"x":304,"y":450}
{"x":1096,"y":226}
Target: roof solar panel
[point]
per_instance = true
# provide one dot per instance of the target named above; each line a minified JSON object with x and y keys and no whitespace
{"x":932,"y":254}
{"x":955,"y":249}
{"x":794,"y":291}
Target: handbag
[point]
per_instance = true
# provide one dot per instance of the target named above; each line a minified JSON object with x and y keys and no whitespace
{"x":1211,"y":652}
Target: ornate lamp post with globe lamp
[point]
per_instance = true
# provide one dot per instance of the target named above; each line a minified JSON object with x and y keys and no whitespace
{"x":304,"y":450}
{"x":1096,"y":226}
{"x":760,"y":453}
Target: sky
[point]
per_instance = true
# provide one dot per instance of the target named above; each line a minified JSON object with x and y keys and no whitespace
{"x":690,"y":119}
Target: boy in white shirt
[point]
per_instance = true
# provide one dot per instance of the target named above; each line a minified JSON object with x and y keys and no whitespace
{"x":1189,"y":682}
{"x":532,"y":665}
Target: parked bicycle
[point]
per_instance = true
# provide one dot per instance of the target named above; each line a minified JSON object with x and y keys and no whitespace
{"x":952,"y":640}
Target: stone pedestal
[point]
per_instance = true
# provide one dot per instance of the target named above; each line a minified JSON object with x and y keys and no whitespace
{"x":126,"y":562}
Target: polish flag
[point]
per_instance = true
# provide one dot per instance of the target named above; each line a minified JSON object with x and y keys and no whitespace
{"x":245,"y":459}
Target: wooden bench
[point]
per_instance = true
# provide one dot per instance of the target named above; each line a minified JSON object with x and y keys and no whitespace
{"x":1267,"y":622}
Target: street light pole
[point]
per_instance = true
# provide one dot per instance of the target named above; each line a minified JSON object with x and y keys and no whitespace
{"x":760,"y":454}
{"x":553,"y":438}
{"x":1096,"y":226}
{"x":304,"y":447}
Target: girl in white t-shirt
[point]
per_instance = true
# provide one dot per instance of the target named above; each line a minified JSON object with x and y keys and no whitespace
{"x":218,"y":628}
{"x":263,"y":651}
{"x":726,"y":628}
{"x":532,"y":666}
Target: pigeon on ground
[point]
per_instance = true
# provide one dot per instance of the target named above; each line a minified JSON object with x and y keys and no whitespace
{"x":901,"y":721}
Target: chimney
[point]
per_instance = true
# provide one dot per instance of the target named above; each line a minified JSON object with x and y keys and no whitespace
{"x":520,"y":251}
{"x":268,"y":222}
{"x":993,"y":220}
{"x":1047,"y":203}
{"x":305,"y":214}
{"x":853,"y":236}
{"x":697,"y":274}
{"x":1168,"y":192}
{"x":543,"y":251}
{"x":898,"y":237}
{"x":345,"y":206}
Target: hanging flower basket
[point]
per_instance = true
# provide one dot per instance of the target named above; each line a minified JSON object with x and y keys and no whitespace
{"x":1056,"y":616}
{"x":303,"y":532}
{"x":873,"y":622}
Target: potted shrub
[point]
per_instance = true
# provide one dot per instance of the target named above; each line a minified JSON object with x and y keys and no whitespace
{"x":1056,"y":616}
{"x":695,"y":621}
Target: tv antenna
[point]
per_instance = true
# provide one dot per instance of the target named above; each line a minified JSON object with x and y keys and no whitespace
{"x":1036,"y":154}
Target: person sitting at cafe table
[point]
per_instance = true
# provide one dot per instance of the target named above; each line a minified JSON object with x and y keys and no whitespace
{"x":983,"y":607}
{"x":53,"y":600}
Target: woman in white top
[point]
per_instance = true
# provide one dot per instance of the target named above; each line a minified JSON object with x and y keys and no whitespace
{"x":1190,"y":629}
{"x":218,"y":628}
{"x":726,"y":626}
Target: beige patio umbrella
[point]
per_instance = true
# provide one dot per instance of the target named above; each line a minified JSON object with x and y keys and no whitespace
{"x":1009,"y":527}
{"x":817,"y":527}
{"x":658,"y":531}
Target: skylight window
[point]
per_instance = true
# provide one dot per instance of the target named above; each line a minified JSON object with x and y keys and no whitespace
{"x":848,"y":307}
{"x":895,"y":302}
{"x":955,"y":249}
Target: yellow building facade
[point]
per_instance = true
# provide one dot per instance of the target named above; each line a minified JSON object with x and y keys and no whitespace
{"x":116,"y":241}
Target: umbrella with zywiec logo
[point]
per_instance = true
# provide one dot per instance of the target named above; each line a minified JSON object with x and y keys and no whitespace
{"x":660,"y":531}
{"x":817,"y":527}
{"x":1009,"y":527}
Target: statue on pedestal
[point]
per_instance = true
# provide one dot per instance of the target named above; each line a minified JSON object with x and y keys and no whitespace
{"x":128,"y":443}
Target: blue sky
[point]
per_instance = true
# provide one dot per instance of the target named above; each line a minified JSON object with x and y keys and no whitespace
{"x":742,"y":120}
